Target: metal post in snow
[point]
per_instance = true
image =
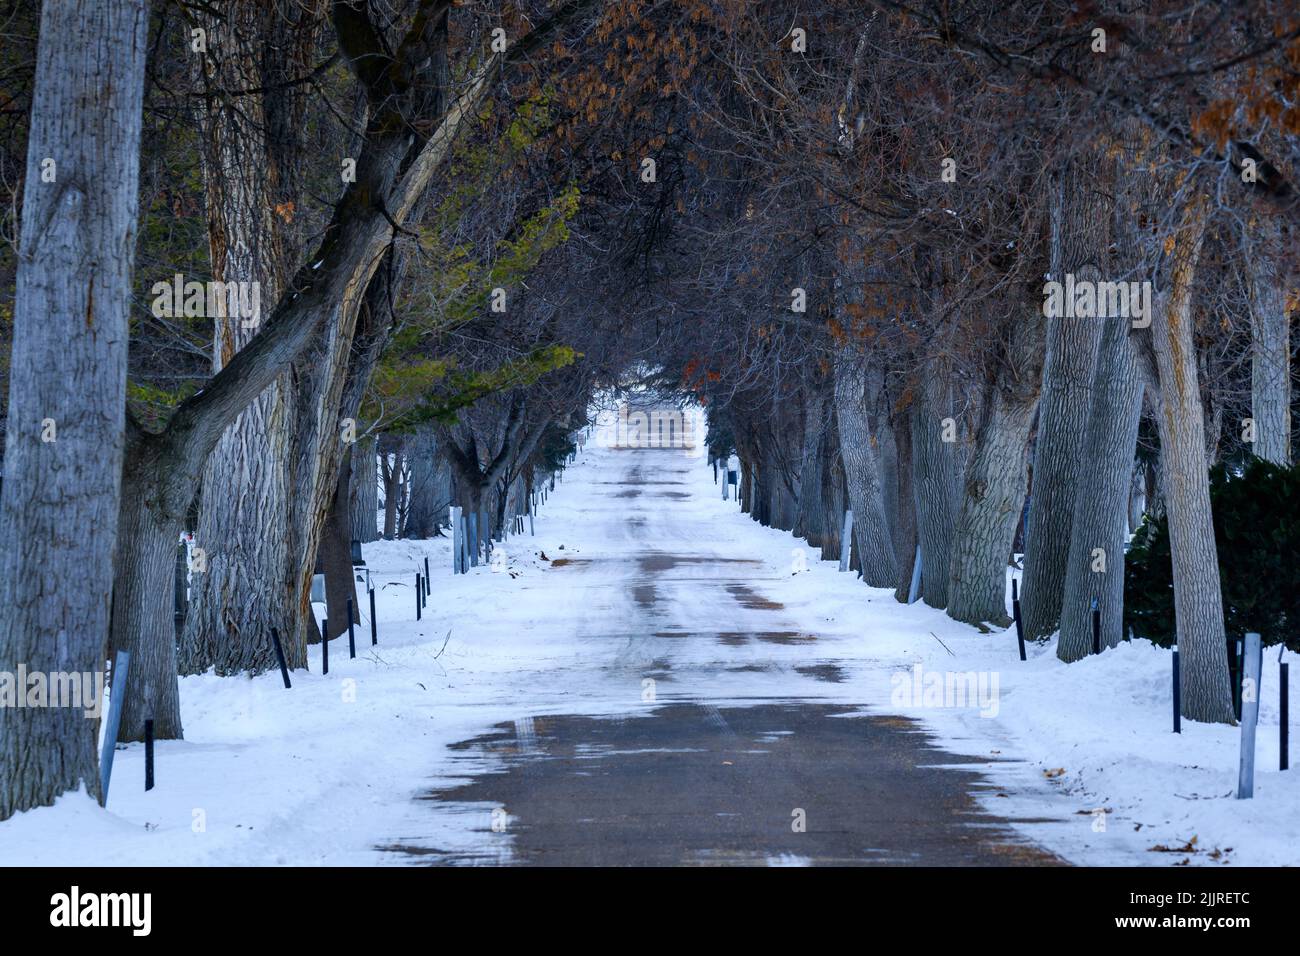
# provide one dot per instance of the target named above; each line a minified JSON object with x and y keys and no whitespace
{"x":455,"y":540}
{"x":148,"y":755}
{"x":1096,"y":628}
{"x":914,"y":591}
{"x":121,"y":664}
{"x":846,"y":541}
{"x":1252,"y":655}
{"x":426,"y":576}
{"x":325,"y":645}
{"x":279,"y":656}
{"x":417,"y":595}
{"x":352,"y":635}
{"x":1284,"y":712}
{"x":1178,"y":695}
{"x":464,"y":545}
{"x":374,"y":624}
{"x":1015,"y":615}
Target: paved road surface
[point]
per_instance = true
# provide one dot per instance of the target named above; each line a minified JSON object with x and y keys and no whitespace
{"x":729,"y":766}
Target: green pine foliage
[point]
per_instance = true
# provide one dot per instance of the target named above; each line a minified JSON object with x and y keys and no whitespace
{"x":1257,"y":535}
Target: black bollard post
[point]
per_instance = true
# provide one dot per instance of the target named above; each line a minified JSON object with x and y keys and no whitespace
{"x":325,"y":646}
{"x":279,"y":656}
{"x":426,"y":580}
{"x":1096,"y":628}
{"x":1178,"y":702}
{"x":1235,"y":655}
{"x":1015,"y":613}
{"x":1284,"y":709}
{"x":148,"y":755}
{"x":417,"y":595}
{"x":374,"y":625}
{"x":352,"y":637}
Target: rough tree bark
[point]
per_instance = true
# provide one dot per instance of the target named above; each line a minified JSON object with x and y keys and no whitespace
{"x":363,"y":493}
{"x":1270,"y":356}
{"x":244,"y":501}
{"x":905,"y":522}
{"x":1080,"y":217}
{"x":67,"y":383}
{"x":1100,"y":520}
{"x":933,"y":470}
{"x":862,"y":471}
{"x":162,"y":468}
{"x":1198,"y":600}
{"x":997,"y":475}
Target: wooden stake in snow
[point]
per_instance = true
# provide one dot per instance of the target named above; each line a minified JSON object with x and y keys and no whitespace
{"x":846,"y":541}
{"x":1251,"y":660}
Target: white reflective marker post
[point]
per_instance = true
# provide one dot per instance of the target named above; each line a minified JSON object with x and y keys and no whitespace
{"x":1249,"y":716}
{"x":846,"y":542}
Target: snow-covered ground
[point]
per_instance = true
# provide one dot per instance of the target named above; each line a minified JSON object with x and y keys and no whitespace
{"x":1082,"y":755}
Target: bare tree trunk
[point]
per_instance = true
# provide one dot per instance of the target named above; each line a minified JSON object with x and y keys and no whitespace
{"x":363,"y":493}
{"x":426,"y":506}
{"x":833,"y":496}
{"x":144,"y":568}
{"x":391,"y":465}
{"x":933,"y":465}
{"x":1080,"y":217}
{"x":862,"y":472}
{"x":1095,"y":568}
{"x":336,"y":553}
{"x":1198,"y":601}
{"x":1270,"y":369}
{"x":67,"y":383}
{"x":808,"y":524}
{"x":244,"y":501}
{"x":996,"y":478}
{"x":905,"y":522}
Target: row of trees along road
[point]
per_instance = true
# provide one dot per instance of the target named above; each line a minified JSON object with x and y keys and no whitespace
{"x":831,"y":225}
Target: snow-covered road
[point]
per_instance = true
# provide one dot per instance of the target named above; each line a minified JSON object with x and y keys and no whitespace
{"x":727,"y":730}
{"x":653,"y":677}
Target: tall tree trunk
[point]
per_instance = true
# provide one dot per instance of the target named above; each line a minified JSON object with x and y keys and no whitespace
{"x":933,"y":469}
{"x":244,"y":501}
{"x":1198,"y":600}
{"x":808,"y":524}
{"x":862,"y":471}
{"x":1270,"y":355}
{"x":427,"y":506}
{"x":905,"y":522}
{"x":67,"y":383}
{"x":1095,"y":568}
{"x":1080,"y":214}
{"x":391,"y":464}
{"x":145,"y":564}
{"x":996,"y":477}
{"x":363,"y":493}
{"x":336,"y":553}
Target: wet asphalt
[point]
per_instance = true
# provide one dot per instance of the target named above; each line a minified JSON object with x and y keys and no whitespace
{"x":759,"y":780}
